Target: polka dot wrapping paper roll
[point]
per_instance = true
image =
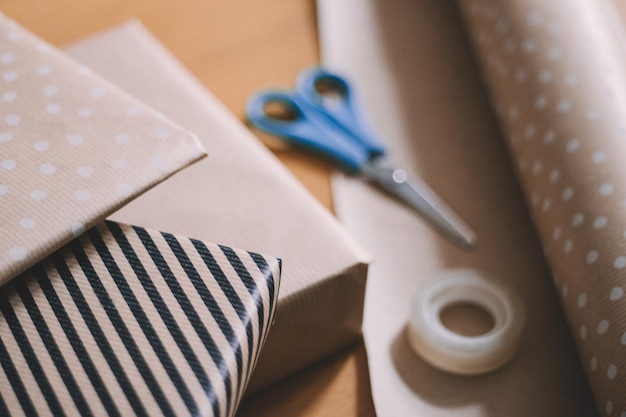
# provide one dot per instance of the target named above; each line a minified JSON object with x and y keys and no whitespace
{"x":73,"y":149}
{"x":556,"y":72}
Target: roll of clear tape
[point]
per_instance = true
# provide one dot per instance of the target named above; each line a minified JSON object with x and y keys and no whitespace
{"x":455,"y":353}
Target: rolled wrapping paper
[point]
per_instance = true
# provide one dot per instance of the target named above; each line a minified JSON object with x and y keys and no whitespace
{"x":556,"y":72}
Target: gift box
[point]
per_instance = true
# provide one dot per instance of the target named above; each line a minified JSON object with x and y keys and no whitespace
{"x":124,"y":320}
{"x":241,"y":196}
{"x":111,"y":319}
{"x":74,"y":149}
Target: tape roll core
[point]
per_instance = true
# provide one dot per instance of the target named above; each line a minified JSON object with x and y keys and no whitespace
{"x":455,"y":353}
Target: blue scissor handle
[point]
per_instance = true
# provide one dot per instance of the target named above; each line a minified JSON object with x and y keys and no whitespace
{"x":309,"y":128}
{"x":345,"y":110}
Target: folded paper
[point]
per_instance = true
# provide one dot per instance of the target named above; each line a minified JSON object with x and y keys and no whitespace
{"x":73,"y":149}
{"x":241,"y":196}
{"x":556,"y":73}
{"x":125,"y":321}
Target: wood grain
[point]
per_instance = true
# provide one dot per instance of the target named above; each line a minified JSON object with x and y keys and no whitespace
{"x":234,"y":47}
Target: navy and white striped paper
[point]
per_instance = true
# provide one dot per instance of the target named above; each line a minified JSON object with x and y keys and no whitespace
{"x":128,"y":321}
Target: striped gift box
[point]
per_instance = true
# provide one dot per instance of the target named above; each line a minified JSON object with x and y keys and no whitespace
{"x":124,"y":320}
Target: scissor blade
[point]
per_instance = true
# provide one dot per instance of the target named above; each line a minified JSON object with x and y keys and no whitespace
{"x":414,"y":192}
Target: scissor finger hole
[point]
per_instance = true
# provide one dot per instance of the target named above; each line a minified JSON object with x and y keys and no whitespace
{"x":281,"y":110}
{"x":330,"y":86}
{"x":331,"y":90}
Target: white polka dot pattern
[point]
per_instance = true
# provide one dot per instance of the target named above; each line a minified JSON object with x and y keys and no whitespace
{"x":73,"y":149}
{"x":557,"y":76}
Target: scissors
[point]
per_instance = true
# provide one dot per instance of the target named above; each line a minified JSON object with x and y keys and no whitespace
{"x":321,"y":115}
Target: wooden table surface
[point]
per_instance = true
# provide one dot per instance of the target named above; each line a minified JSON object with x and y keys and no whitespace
{"x":234,"y":47}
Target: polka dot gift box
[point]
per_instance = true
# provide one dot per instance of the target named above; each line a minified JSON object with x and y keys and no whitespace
{"x":556,"y":71}
{"x":73,"y":149}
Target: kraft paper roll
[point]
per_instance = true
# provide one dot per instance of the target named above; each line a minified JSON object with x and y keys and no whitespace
{"x":412,"y":61}
{"x":556,"y":75}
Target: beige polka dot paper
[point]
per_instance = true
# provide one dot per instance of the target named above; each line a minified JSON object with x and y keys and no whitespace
{"x":73,"y":149}
{"x":557,"y":75}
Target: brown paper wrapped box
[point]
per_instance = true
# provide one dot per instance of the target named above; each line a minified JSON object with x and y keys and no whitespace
{"x":238,"y":197}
